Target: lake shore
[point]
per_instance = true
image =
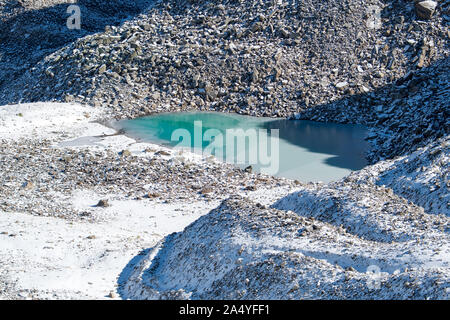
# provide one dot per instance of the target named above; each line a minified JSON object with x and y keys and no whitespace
{"x":89,"y":213}
{"x":55,"y":159}
{"x":53,"y":163}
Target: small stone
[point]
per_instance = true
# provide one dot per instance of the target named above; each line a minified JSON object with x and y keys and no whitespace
{"x":206,"y":190}
{"x":256,"y":27}
{"x":28,"y":185}
{"x":425,"y":9}
{"x":364,"y":89}
{"x":49,"y":73}
{"x":342,"y":85}
{"x":284,"y":33}
{"x":68,"y":98}
{"x":248,"y":169}
{"x":136,"y":95}
{"x":162,"y":153}
{"x":102,"y":69}
{"x":103,"y":204}
{"x":125,"y":153}
{"x":152,"y":195}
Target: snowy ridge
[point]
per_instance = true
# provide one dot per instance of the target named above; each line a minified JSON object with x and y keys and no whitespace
{"x":279,"y":239}
{"x":370,"y":212}
{"x":420,"y":177}
{"x":243,"y":251}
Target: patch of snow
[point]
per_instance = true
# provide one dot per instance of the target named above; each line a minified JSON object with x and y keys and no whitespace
{"x":240,"y":251}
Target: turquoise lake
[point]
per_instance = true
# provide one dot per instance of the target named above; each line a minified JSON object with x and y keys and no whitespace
{"x":295,"y":149}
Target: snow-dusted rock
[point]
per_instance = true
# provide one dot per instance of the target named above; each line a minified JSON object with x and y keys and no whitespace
{"x":240,"y":251}
{"x":420,"y":177}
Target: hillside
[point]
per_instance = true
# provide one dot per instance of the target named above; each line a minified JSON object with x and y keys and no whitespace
{"x":315,"y":60}
{"x":88,"y":212}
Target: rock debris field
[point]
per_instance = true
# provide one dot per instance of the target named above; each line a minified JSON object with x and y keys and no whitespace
{"x":87,"y":212}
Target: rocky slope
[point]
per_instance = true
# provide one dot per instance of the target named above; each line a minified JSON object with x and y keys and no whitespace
{"x":322,"y":241}
{"x":406,"y":115}
{"x":243,"y":251}
{"x":47,"y":153}
{"x":30,"y":30}
{"x":421,"y":177}
{"x":318,"y":60}
{"x":315,"y":60}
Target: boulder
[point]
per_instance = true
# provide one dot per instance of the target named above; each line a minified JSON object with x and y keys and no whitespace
{"x":425,"y":9}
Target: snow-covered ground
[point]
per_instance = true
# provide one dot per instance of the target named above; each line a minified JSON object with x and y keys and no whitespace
{"x":54,"y":258}
{"x":322,"y":242}
{"x":49,"y":121}
{"x":49,"y":257}
{"x":379,"y":233}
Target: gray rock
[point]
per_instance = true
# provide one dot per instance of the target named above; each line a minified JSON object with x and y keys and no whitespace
{"x":103,"y":204}
{"x":425,"y":9}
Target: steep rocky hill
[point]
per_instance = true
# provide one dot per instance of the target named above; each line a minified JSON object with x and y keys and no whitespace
{"x":328,"y":60}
